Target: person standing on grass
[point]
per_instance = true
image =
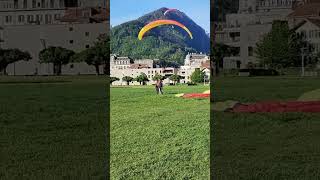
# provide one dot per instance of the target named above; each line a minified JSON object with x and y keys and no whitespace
{"x":157,"y":86}
{"x":160,"y":85}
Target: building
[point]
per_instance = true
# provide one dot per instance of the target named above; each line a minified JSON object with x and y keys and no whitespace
{"x":305,"y":20}
{"x":33,"y":25}
{"x":245,"y":28}
{"x":125,"y":66}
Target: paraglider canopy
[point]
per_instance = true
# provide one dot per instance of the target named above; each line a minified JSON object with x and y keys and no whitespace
{"x":157,"y":23}
{"x":169,"y":10}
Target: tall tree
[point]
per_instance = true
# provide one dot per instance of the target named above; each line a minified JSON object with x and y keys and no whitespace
{"x":197,"y":76}
{"x":8,"y":56}
{"x":113,"y":79}
{"x":96,"y":55}
{"x":57,"y":55}
{"x":280,"y":48}
{"x":128,"y":79}
{"x":142,"y":78}
{"x":220,"y":51}
{"x":175,"y":78}
{"x":157,"y":77}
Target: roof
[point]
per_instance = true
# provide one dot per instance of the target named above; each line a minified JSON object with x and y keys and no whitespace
{"x":206,"y":64}
{"x":85,"y":15}
{"x":307,"y":10}
{"x":138,"y":66}
{"x":315,"y":21}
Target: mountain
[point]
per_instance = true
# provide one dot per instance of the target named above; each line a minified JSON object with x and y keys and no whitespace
{"x":166,"y":42}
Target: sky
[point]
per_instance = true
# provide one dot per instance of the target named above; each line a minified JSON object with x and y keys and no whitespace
{"x":125,"y":10}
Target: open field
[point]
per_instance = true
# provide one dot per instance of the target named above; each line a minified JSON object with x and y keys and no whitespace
{"x":53,"y":127}
{"x":265,"y":146}
{"x":159,"y":136}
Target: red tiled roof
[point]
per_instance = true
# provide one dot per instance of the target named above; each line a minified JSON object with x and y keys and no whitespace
{"x":314,"y":21}
{"x":306,"y":10}
{"x":85,"y":14}
{"x":205,"y":64}
{"x":138,"y":66}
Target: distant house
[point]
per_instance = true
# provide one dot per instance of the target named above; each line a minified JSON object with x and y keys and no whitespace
{"x":125,"y":66}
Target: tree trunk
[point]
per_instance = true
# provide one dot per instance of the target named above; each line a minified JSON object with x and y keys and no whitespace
{"x":217,"y":68}
{"x":97,"y":69}
{"x":57,"y":69}
{"x":128,"y":83}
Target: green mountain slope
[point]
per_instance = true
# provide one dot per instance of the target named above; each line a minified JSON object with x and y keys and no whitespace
{"x":166,"y":42}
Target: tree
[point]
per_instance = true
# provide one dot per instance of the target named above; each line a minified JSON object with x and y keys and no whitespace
{"x":142,"y":78}
{"x":128,"y":79}
{"x":175,"y":78}
{"x":157,"y":77}
{"x":96,"y":55}
{"x":113,"y":79}
{"x":218,"y":52}
{"x":57,"y":55}
{"x":8,"y":56}
{"x":197,"y":76}
{"x":91,"y":57}
{"x":280,"y":48}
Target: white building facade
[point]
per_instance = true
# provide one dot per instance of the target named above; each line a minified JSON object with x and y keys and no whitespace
{"x":33,"y":25}
{"x":125,"y":66}
{"x":244,"y":29}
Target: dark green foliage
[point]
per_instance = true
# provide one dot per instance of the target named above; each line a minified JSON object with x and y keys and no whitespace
{"x":175,"y":78}
{"x":57,"y":55}
{"x":157,"y":77}
{"x":96,"y":55}
{"x":128,"y":79}
{"x":8,"y":56}
{"x":142,"y":78}
{"x":219,"y":51}
{"x":169,"y":43}
{"x":113,"y":79}
{"x":197,"y":76}
{"x":280,"y":48}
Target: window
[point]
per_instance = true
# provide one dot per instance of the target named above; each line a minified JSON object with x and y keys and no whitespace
{"x":87,"y":46}
{"x":7,"y":19}
{"x":25,"y":4}
{"x":43,"y":4}
{"x":250,"y":51}
{"x":39,"y":4}
{"x":21,"y":18}
{"x":51,"y":3}
{"x":56,"y":16}
{"x":87,"y":33}
{"x":15,"y":4}
{"x":71,"y":41}
{"x":48,"y":18}
{"x":34,"y":4}
{"x":61,"y":3}
{"x":70,"y":28}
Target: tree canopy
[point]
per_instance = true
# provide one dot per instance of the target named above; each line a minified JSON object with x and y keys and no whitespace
{"x":57,"y":55}
{"x":8,"y":56}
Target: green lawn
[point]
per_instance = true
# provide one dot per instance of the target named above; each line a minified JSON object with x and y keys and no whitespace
{"x":159,"y":136}
{"x":265,"y":146}
{"x":53,"y":127}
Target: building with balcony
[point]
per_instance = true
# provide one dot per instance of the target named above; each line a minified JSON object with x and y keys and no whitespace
{"x":245,"y":28}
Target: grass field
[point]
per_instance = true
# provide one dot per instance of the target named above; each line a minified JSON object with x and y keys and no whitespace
{"x":265,"y":146}
{"x":159,"y":137}
{"x":53,"y":127}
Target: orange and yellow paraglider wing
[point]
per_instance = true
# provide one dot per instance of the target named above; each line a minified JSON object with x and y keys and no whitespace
{"x":157,"y":23}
